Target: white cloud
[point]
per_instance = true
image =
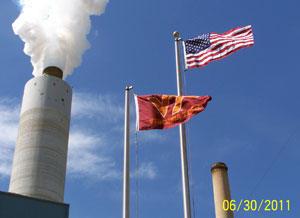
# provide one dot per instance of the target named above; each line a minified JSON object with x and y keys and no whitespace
{"x":153,"y":135}
{"x":90,"y":154}
{"x":86,"y":159}
{"x":147,"y":170}
{"x":96,"y":33}
{"x":91,"y":106}
{"x":9,"y":110}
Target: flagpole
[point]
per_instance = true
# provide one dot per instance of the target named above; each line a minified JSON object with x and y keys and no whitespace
{"x":126,"y":187}
{"x":184,"y":163}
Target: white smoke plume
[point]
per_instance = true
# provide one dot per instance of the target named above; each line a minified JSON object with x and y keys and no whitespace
{"x":54,"y":31}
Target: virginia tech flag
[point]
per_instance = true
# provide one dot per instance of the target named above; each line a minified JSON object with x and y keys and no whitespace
{"x":166,"y":111}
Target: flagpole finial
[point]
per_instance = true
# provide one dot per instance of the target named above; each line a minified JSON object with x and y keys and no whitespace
{"x":176,"y":34}
{"x":128,"y":87}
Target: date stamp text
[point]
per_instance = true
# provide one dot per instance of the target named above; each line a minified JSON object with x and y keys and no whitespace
{"x":254,"y":205}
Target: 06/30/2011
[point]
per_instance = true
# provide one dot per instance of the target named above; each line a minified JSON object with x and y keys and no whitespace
{"x":253,"y":205}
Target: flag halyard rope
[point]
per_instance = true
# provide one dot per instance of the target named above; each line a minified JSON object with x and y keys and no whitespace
{"x":191,"y":170}
{"x":136,"y":165}
{"x":189,"y":151}
{"x":137,"y":173}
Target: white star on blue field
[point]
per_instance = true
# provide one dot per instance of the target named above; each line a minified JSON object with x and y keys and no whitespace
{"x":198,"y":44}
{"x":251,"y":124}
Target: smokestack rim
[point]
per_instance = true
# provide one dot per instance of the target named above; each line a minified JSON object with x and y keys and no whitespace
{"x":53,"y":71}
{"x":218,"y":165}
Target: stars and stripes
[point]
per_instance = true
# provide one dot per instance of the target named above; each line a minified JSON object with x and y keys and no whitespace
{"x":209,"y":47}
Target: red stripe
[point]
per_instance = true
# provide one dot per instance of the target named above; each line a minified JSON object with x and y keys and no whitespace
{"x":232,"y":30}
{"x":210,"y":54}
{"x":219,"y":52}
{"x":213,"y":59}
{"x":216,"y":38}
{"x":215,"y":46}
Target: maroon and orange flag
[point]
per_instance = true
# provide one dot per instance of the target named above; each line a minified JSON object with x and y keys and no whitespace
{"x":167,"y":111}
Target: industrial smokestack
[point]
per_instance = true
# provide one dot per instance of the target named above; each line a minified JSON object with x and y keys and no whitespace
{"x":221,"y":189}
{"x":53,"y":71}
{"x":40,"y":158}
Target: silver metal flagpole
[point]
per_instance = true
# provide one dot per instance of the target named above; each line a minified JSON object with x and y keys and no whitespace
{"x":126,"y":187}
{"x":184,"y":163}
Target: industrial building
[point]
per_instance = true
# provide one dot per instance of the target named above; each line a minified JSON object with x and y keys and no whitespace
{"x":19,"y":206}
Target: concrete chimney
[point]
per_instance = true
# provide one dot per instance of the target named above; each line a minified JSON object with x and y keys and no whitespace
{"x":40,"y":158}
{"x":221,"y":189}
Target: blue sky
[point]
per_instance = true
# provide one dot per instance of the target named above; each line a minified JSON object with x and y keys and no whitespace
{"x":254,"y":112}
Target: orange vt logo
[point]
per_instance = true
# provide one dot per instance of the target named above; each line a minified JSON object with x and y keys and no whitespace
{"x":162,"y":104}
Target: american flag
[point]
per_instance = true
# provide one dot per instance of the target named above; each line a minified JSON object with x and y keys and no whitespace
{"x":209,"y":47}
